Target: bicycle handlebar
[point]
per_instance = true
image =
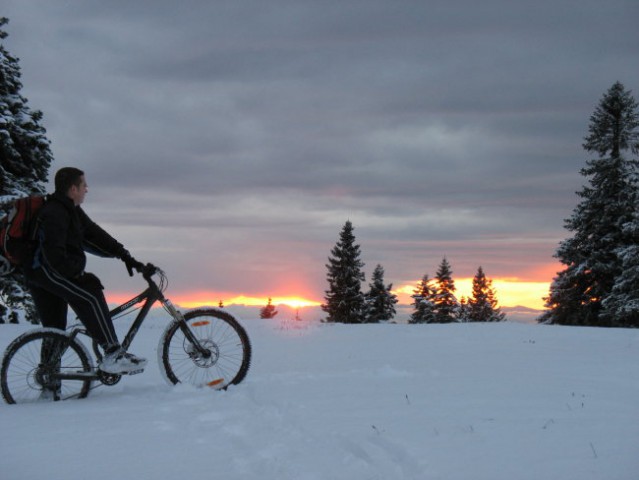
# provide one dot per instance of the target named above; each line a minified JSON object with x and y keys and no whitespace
{"x":147,"y":270}
{"x":132,"y":264}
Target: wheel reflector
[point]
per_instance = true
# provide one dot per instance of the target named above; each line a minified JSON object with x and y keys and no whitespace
{"x":215,"y":382}
{"x":200,"y":324}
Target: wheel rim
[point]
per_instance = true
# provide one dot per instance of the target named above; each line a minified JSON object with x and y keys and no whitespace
{"x":227,"y":358}
{"x":25,"y":379}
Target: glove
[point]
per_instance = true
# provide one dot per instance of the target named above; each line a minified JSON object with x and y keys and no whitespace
{"x":131,"y":263}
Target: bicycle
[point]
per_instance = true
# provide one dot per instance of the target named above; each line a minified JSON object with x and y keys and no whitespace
{"x":205,"y":347}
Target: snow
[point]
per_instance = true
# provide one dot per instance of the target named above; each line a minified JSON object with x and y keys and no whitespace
{"x":355,"y":402}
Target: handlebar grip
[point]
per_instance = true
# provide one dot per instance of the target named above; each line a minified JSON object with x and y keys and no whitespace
{"x":146,"y":270}
{"x":131,"y":263}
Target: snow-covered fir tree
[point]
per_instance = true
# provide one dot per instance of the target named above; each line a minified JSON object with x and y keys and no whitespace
{"x":423,"y":306}
{"x":462,"y":312}
{"x":621,"y":307}
{"x":444,"y":300}
{"x":25,"y":158}
{"x":345,"y":302}
{"x":482,"y":306}
{"x":268,"y":311}
{"x":380,"y":301}
{"x":601,"y":223}
{"x":25,"y":154}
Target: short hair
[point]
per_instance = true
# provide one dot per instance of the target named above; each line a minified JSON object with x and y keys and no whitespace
{"x":67,"y":177}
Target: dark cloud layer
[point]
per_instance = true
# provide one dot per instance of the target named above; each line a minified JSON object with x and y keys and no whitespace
{"x":233,"y":139}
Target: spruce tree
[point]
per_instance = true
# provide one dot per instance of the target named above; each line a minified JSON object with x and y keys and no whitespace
{"x":462,"y":312}
{"x":25,"y":157}
{"x":268,"y":311}
{"x":423,"y":306}
{"x":380,"y":301}
{"x":482,"y":306}
{"x":444,"y":300}
{"x":621,"y":307}
{"x":593,"y":256}
{"x":345,"y":302}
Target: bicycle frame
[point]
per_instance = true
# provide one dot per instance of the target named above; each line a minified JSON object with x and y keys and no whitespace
{"x":149,"y":296}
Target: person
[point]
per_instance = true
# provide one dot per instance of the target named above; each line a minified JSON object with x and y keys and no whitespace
{"x":57,"y":278}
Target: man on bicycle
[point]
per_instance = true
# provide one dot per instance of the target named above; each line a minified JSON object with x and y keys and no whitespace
{"x":56,"y":277}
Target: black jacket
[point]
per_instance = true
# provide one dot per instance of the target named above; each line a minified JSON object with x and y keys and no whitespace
{"x":65,"y":232}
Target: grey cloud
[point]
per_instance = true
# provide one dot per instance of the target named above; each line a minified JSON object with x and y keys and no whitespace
{"x":437,"y":127}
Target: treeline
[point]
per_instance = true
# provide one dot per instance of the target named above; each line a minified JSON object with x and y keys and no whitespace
{"x":599,"y":285}
{"x":434,"y":301}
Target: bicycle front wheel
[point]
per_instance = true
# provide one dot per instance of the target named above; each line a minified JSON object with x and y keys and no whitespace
{"x":226,"y":355}
{"x":34,"y":365}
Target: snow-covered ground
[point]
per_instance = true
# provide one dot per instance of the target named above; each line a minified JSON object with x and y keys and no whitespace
{"x":466,"y":401}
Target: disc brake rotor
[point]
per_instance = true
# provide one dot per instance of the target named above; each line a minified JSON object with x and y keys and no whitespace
{"x":201,"y":360}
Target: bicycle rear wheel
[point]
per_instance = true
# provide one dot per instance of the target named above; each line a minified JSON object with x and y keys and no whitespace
{"x":228,"y":350}
{"x":32,"y":365}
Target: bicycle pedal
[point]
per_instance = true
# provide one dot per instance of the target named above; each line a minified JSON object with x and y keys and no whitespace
{"x":135,"y":372}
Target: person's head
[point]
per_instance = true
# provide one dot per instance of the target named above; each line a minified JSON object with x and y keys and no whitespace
{"x":70,"y":181}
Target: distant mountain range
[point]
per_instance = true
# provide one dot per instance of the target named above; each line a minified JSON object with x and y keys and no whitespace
{"x":522,"y":314}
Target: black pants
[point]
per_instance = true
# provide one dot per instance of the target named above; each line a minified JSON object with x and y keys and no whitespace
{"x":52,"y":294}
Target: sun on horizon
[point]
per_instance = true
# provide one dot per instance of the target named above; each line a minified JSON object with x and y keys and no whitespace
{"x":250,"y":301}
{"x":511,"y":292}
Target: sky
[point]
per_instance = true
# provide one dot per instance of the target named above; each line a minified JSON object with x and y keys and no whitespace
{"x":229,"y":141}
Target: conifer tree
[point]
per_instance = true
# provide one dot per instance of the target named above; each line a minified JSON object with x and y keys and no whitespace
{"x":462,"y":313}
{"x":380,"y":301}
{"x":25,"y":157}
{"x":423,"y":306}
{"x":621,"y":307}
{"x":345,"y":302}
{"x":268,"y":311}
{"x":444,"y":300}
{"x":482,"y":306}
{"x":593,"y":256}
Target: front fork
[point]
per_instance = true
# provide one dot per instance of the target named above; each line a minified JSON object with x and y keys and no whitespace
{"x":177,"y":315}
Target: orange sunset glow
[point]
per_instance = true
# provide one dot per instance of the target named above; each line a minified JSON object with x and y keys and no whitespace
{"x":298,"y":294}
{"x":211,"y":299}
{"x":292,"y":301}
{"x":511,"y":292}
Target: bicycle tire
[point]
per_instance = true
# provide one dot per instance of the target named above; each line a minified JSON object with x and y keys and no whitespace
{"x":226,"y":340}
{"x":24,"y":376}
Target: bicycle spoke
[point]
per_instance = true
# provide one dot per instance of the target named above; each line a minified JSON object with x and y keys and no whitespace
{"x":34,"y":366}
{"x":221,"y":358}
